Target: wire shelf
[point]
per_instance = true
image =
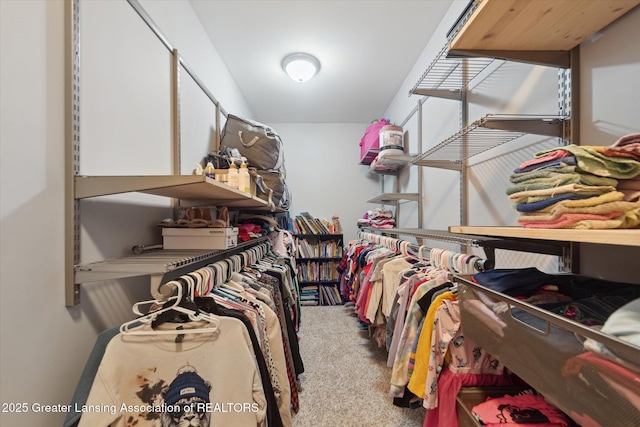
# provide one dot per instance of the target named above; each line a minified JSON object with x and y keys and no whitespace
{"x":449,"y":73}
{"x":489,"y":132}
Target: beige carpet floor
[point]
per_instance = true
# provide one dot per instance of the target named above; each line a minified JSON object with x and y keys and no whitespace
{"x":346,"y":380}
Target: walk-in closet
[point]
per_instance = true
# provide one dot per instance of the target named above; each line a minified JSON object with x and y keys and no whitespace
{"x":320,"y":213}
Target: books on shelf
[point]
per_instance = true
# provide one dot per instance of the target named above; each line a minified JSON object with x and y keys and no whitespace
{"x":324,"y":249}
{"x":309,"y":295}
{"x":320,"y":295}
{"x":329,"y":295}
{"x":305,"y":223}
{"x":317,"y":271}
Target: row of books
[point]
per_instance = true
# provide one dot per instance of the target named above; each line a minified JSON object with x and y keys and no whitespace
{"x":320,"y":295}
{"x":330,"y":295}
{"x":314,"y":271}
{"x":326,"y":249}
{"x":305,"y":223}
{"x":309,"y":295}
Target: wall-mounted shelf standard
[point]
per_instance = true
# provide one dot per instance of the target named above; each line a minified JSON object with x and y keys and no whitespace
{"x":161,"y":265}
{"x":486,"y":133}
{"x":192,"y":190}
{"x":626,"y":237}
{"x":447,"y":76}
{"x":534,"y":31}
{"x":394,"y":198}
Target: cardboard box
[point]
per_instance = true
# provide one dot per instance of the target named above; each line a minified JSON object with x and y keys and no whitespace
{"x":200,"y":238}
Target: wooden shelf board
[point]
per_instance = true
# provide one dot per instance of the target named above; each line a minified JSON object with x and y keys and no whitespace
{"x":624,"y":237}
{"x":195,"y":188}
{"x":535,"y":25}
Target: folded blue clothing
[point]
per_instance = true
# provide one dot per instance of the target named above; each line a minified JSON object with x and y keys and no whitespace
{"x":541,"y":204}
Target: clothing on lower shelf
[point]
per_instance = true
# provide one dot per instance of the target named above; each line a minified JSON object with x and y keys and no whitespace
{"x":593,"y":388}
{"x":529,"y":409}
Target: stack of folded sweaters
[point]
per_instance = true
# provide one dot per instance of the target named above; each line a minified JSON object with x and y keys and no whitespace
{"x":582,"y":187}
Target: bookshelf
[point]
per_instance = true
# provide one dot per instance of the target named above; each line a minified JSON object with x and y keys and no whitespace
{"x":317,"y":259}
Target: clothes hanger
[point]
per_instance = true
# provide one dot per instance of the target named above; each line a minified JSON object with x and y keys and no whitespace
{"x":133,"y":327}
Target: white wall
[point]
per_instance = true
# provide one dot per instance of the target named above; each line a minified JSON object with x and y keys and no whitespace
{"x":323,"y":172}
{"x":125,"y":110}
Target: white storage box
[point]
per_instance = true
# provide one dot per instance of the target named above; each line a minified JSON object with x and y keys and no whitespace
{"x":200,"y":238}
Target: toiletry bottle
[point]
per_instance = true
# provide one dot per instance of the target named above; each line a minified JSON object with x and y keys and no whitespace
{"x":233,"y":176}
{"x":244,"y":180}
{"x":210,"y":171}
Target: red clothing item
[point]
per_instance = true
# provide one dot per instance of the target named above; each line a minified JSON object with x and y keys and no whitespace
{"x":554,"y":155}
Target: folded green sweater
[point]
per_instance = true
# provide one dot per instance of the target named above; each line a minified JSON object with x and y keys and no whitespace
{"x":590,"y":160}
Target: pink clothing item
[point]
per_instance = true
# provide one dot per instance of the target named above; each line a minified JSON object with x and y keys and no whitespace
{"x":361,"y":300}
{"x":564,"y":220}
{"x":629,"y":184}
{"x":450,"y":383}
{"x":522,"y":409}
{"x":633,"y":138}
{"x":554,"y":155}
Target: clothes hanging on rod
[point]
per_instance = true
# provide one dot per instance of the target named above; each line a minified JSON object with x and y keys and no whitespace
{"x":401,"y":292}
{"x":229,"y":335}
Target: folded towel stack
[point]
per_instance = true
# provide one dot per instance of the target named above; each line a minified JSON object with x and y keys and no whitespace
{"x":582,"y":187}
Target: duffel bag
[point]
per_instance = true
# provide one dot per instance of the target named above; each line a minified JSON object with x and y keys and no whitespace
{"x":271,"y":186}
{"x":259,"y":143}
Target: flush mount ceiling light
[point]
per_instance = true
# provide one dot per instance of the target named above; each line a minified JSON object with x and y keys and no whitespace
{"x":300,"y":66}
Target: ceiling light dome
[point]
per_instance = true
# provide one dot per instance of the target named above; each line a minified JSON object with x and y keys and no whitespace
{"x":300,"y":66}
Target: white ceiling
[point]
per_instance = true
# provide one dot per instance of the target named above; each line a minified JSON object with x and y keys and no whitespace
{"x":366,"y":49}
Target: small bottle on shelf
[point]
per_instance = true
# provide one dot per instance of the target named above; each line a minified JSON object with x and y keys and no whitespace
{"x":210,"y":171}
{"x":233,"y":176}
{"x":244,"y":180}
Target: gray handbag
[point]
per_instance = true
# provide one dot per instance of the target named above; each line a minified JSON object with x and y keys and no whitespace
{"x":272,"y":188}
{"x":259,"y":143}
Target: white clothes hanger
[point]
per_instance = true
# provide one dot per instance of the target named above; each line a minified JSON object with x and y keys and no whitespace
{"x":133,"y":327}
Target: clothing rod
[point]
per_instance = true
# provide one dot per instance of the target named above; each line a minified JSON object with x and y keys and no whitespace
{"x":217,"y":256}
{"x":480,"y":264}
